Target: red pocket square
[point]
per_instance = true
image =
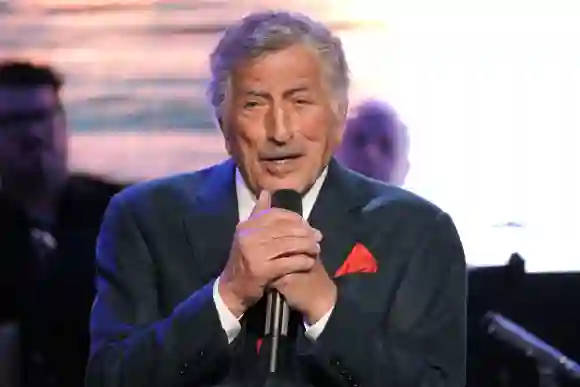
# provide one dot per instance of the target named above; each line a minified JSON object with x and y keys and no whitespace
{"x":360,"y":260}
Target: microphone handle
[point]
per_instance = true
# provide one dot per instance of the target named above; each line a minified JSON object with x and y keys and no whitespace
{"x":277,"y":317}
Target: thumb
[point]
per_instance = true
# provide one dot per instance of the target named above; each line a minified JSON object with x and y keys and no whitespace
{"x":263,"y":203}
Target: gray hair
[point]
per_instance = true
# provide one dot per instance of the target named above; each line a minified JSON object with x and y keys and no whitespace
{"x":263,"y":32}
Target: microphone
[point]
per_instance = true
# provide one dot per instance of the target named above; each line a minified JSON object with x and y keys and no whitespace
{"x":516,"y":336}
{"x":277,"y":311}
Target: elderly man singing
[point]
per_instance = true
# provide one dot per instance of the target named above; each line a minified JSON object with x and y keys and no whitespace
{"x":374,"y":276}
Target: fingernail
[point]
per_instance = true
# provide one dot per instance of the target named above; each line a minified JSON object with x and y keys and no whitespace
{"x":318,"y":235}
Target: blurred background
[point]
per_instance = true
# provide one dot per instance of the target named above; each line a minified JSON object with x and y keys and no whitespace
{"x":489,"y":91}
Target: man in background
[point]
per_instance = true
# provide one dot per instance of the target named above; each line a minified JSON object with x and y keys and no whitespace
{"x":49,"y":220}
{"x":376,"y":143}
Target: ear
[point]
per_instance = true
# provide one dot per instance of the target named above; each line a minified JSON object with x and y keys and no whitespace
{"x":228,"y":145}
{"x":341,"y":110}
{"x":404,"y":171}
{"x":223,"y":129}
{"x":344,"y":109}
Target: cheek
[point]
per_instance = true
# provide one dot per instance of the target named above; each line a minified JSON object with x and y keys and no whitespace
{"x":316,"y":127}
{"x":244,"y":138}
{"x":60,"y":140}
{"x":323,"y":123}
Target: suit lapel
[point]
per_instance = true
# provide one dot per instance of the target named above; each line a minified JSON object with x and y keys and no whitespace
{"x":211,"y":221}
{"x":335,"y":215}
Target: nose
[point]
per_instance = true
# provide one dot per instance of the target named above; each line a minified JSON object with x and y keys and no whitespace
{"x":372,"y":151}
{"x":31,"y":145}
{"x":35,"y":139}
{"x":278,"y":129}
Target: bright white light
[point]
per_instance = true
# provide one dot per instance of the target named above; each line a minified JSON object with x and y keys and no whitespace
{"x":492,"y":102}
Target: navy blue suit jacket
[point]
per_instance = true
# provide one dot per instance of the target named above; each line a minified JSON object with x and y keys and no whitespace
{"x":163,"y":243}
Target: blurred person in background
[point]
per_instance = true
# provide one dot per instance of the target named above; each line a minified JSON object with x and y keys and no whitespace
{"x":376,"y":143}
{"x":49,"y":220}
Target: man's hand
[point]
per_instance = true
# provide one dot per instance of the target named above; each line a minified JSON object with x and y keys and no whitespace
{"x":312,"y":293}
{"x":269,"y":245}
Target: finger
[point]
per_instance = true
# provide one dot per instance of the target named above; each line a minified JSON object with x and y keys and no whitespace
{"x":291,"y":264}
{"x":317,"y":235}
{"x":263,"y":203}
{"x":290,"y":231}
{"x":288,"y":219}
{"x":287,"y":246}
{"x":280,"y":217}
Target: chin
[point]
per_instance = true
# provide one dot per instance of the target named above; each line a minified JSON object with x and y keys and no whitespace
{"x":273,"y":184}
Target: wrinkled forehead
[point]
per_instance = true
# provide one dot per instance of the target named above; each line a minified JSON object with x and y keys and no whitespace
{"x":22,"y":99}
{"x":294,"y":67}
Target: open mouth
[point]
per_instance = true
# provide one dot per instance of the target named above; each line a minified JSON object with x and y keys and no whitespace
{"x":281,"y":159}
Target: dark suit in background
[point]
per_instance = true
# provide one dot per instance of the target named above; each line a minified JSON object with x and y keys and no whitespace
{"x":50,"y":298}
{"x":163,"y":243}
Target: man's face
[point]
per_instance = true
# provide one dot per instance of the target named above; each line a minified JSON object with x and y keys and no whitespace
{"x":371,"y":148}
{"x":33,"y":138}
{"x":281,"y":122}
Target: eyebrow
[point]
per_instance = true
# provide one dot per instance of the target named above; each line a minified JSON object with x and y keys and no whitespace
{"x":295,"y":90}
{"x":287,"y":93}
{"x":257,"y":93}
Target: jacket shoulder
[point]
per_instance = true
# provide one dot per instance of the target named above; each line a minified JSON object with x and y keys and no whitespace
{"x":382,"y":197}
{"x":92,"y":185}
{"x":164,"y":189}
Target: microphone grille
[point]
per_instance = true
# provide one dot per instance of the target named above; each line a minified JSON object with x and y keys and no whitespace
{"x":287,"y":199}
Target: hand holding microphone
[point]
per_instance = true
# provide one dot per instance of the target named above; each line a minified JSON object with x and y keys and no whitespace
{"x":277,"y":251}
{"x":271,"y":244}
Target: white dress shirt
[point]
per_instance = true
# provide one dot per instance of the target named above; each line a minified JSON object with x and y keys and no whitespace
{"x":246,"y":202}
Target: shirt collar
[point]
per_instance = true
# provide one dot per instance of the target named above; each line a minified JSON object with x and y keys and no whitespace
{"x":246,"y":198}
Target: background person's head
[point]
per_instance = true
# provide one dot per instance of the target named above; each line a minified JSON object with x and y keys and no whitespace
{"x":376,"y":143}
{"x":33,"y":136}
{"x":279,"y":88}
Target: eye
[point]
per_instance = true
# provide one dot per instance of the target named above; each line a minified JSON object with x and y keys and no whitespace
{"x":302,"y":101}
{"x":359,"y":140}
{"x":250,"y":104}
{"x":385,"y":145}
